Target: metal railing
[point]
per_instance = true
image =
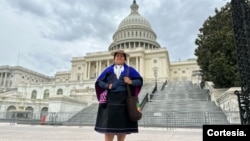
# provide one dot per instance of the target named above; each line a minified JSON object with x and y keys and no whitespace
{"x":150,"y":119}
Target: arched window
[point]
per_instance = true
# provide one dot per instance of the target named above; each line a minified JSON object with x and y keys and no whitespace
{"x":46,"y":94}
{"x":12,"y":107}
{"x":59,"y":92}
{"x":34,"y":94}
{"x":29,"y":109}
{"x":44,"y":112}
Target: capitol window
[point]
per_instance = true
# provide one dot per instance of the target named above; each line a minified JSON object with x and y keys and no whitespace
{"x":46,"y":94}
{"x":59,"y":92}
{"x":34,"y":94}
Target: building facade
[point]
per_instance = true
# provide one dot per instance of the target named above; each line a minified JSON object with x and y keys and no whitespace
{"x":73,"y":90}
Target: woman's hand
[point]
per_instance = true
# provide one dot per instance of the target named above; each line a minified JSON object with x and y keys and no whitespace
{"x":110,"y":86}
{"x":127,"y":80}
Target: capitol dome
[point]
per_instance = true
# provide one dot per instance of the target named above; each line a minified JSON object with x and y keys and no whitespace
{"x":134,"y":19}
{"x":134,"y":31}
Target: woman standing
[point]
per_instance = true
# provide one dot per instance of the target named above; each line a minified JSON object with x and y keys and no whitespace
{"x":112,"y":117}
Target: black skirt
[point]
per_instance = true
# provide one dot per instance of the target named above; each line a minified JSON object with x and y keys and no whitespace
{"x":112,"y":117}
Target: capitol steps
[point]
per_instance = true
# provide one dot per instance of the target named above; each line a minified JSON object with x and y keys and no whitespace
{"x":86,"y":117}
{"x":178,"y":104}
{"x":181,"y":104}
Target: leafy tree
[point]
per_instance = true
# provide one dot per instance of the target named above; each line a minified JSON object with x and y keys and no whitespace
{"x":216,"y":54}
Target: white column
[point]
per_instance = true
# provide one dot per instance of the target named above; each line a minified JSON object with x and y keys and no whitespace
{"x":96,"y":68}
{"x":5,"y":77}
{"x":141,"y":66}
{"x":128,"y":60}
{"x":107,"y":63}
{"x":89,"y":64}
{"x":1,"y":78}
{"x":137,"y":65}
{"x":16,"y":79}
{"x":86,"y":70}
{"x":100,"y":67}
{"x":8,"y":80}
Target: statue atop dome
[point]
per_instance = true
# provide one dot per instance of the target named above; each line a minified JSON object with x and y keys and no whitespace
{"x":134,"y":7}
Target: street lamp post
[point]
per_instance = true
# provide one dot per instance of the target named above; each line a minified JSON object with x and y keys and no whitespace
{"x":155,"y":74}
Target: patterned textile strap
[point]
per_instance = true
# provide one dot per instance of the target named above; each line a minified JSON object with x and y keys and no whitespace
{"x":103,"y":97}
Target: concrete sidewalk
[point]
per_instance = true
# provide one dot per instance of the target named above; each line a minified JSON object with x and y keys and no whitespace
{"x":17,"y":132}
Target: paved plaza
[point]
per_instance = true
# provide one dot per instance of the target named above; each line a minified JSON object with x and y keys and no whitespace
{"x":17,"y":132}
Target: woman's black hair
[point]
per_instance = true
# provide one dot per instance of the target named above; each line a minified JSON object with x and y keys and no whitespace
{"x":125,"y":56}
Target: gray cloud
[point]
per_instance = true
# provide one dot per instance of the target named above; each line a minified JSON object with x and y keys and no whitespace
{"x":80,"y":20}
{"x":33,"y":7}
{"x":177,"y":24}
{"x":51,"y":32}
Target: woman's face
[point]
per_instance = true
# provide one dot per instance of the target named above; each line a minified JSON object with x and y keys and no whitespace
{"x":119,"y":59}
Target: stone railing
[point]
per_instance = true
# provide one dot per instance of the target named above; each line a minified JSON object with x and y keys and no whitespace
{"x":226,"y":100}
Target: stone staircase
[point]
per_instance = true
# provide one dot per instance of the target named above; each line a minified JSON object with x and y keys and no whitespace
{"x":85,"y":117}
{"x":178,"y":104}
{"x":181,"y":104}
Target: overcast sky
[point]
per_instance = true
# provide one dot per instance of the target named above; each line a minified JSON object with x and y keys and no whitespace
{"x":44,"y":35}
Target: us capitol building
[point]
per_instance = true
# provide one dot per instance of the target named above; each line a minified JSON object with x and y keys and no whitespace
{"x":25,"y":91}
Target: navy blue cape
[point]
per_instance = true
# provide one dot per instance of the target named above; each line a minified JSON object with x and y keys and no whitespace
{"x":133,"y":74}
